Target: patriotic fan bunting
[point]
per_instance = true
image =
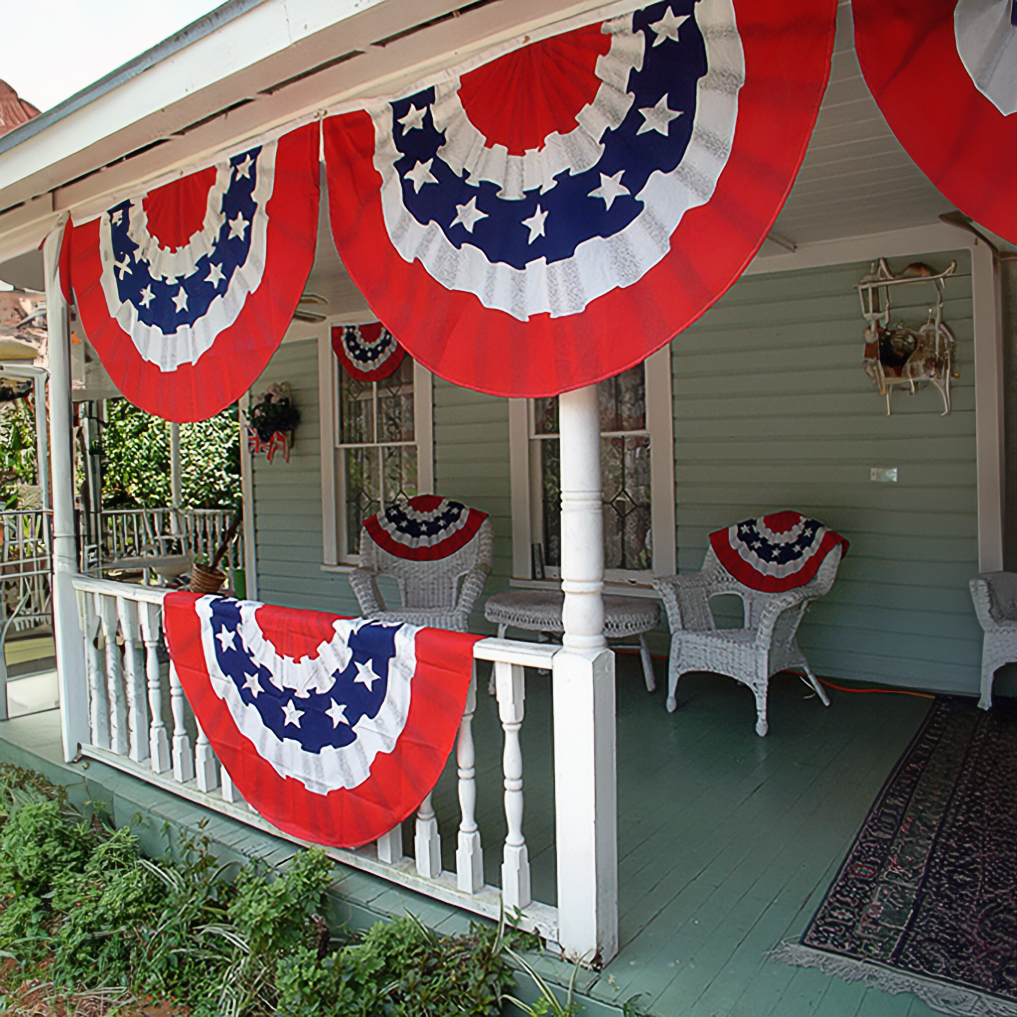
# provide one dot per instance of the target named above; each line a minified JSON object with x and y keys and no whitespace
{"x":777,"y":552}
{"x":185,"y":293}
{"x":425,"y":528}
{"x":552,"y":216}
{"x":944,"y":74}
{"x":333,"y":729}
{"x":368,"y":352}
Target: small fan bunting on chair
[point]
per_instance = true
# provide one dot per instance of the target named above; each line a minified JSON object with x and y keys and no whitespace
{"x":777,"y":552}
{"x":425,"y":528}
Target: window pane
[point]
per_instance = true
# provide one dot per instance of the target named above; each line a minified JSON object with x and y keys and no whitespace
{"x":550,"y":479}
{"x":545,"y":415}
{"x":399,"y":470}
{"x":395,"y":404}
{"x":362,"y":494}
{"x":356,"y":410}
{"x":622,"y":401}
{"x":625,"y":468}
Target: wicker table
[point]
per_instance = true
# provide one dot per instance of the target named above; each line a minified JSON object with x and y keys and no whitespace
{"x":540,"y":611}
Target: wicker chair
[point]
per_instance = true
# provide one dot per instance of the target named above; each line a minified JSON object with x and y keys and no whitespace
{"x":438,"y":593}
{"x":995,"y":598}
{"x":765,"y":645}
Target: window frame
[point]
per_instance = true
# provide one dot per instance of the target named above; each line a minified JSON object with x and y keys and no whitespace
{"x":333,"y":501}
{"x":525,"y":479}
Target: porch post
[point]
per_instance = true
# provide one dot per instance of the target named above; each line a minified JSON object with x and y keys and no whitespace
{"x":70,"y":653}
{"x":584,"y":701}
{"x":176,"y":483}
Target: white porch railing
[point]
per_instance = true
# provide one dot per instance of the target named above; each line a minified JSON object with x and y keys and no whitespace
{"x":128,"y":533}
{"x":140,"y":722}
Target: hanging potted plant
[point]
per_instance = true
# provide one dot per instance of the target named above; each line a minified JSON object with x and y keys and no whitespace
{"x":271,"y":422}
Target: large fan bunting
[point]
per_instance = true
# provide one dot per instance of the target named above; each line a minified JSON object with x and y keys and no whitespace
{"x":944,"y":74}
{"x":777,"y":552}
{"x":368,"y":352}
{"x":185,"y":293}
{"x":333,"y":729}
{"x":551,"y":217}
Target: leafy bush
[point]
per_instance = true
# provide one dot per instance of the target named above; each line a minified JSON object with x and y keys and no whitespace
{"x":81,"y":908}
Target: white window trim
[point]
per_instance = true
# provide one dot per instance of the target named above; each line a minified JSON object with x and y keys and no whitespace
{"x":331,"y":479}
{"x":659,"y":424}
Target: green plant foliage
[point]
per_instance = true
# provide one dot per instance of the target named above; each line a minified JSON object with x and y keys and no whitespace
{"x":136,"y":461}
{"x":17,"y":449}
{"x":83,"y":911}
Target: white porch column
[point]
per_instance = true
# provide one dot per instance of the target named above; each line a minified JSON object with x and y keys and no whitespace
{"x":584,"y":702}
{"x":70,"y":652}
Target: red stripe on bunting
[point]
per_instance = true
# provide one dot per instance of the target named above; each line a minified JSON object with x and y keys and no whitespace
{"x":399,"y":780}
{"x":787,"y":50}
{"x":907,"y":50}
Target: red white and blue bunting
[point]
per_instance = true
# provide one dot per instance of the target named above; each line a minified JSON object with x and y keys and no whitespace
{"x":777,"y":552}
{"x":185,"y":292}
{"x":944,"y":74}
{"x":333,"y":729}
{"x":368,"y":352}
{"x":510,"y":221}
{"x":424,"y":528}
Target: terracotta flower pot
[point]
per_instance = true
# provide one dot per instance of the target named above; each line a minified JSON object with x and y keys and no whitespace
{"x":205,"y":579}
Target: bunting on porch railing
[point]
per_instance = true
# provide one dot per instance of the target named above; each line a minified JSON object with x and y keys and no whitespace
{"x":425,"y":528}
{"x":333,"y":729}
{"x":368,"y":352}
{"x":944,"y":74}
{"x":777,"y":552}
{"x":551,"y":214}
{"x":185,"y":292}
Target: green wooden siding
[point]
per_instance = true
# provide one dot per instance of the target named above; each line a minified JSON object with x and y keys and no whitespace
{"x":772,"y":410}
{"x":287,"y":497}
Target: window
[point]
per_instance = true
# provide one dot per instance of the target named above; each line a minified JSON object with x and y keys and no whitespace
{"x":637,"y":474}
{"x":381,"y":450}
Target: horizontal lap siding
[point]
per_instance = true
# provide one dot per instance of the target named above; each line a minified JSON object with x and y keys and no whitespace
{"x":288,"y":498}
{"x":471,"y":464}
{"x":772,"y":411}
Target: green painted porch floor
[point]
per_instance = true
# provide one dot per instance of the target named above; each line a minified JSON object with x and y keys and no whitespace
{"x":726,"y":841}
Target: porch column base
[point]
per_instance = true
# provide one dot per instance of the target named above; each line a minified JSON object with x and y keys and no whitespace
{"x":586,"y":803}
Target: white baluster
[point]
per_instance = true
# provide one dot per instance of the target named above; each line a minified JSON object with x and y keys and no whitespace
{"x":469,"y":854}
{"x":427,"y":843}
{"x":183,"y":761}
{"x":134,"y":678}
{"x":98,"y":703}
{"x":107,"y":609}
{"x":158,"y":741}
{"x":206,"y":770}
{"x":515,"y":869}
{"x":390,"y":845}
{"x":229,"y":789}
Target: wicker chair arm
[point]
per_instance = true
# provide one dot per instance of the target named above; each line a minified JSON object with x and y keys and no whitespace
{"x":369,"y":597}
{"x":994,"y":595}
{"x":472,"y":586}
{"x":776,"y":605}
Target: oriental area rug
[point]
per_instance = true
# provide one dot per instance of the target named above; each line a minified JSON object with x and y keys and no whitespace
{"x":926,"y":900}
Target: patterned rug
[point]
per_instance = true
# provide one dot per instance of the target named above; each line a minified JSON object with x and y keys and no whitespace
{"x":926,"y":901}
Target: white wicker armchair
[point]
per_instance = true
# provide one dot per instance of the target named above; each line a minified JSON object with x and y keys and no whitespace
{"x":439,"y":593}
{"x":765,"y":645}
{"x":995,"y":598}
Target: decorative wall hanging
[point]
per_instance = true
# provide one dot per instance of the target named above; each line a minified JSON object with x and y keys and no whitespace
{"x":895,"y":355}
{"x":185,"y":292}
{"x":425,"y":528}
{"x":548,"y":215}
{"x":777,"y":552}
{"x":333,"y":729}
{"x":944,"y":74}
{"x":369,"y":352}
{"x":271,"y":422}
